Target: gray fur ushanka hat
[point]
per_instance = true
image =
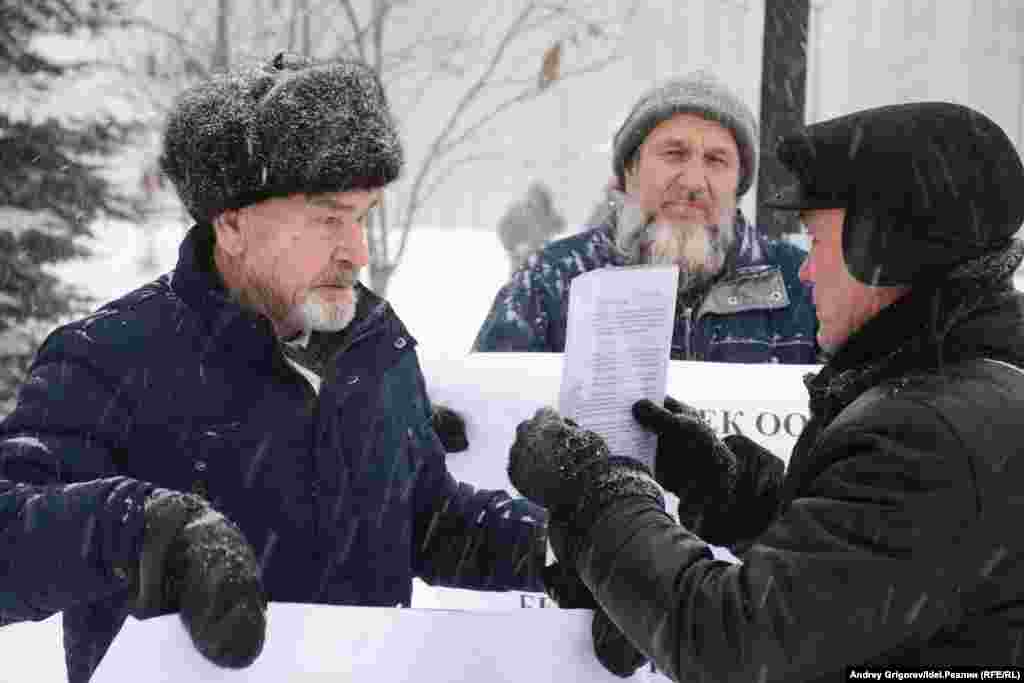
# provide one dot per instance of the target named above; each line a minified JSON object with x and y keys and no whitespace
{"x":289,"y":125}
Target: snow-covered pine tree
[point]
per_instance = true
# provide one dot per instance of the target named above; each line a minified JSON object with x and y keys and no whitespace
{"x":51,"y":182}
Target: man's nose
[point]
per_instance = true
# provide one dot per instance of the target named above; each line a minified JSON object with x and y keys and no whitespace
{"x":352,"y":246}
{"x":693,"y":177}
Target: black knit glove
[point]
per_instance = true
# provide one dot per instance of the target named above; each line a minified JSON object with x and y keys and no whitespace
{"x":569,"y":471}
{"x":557,"y":464}
{"x":450,"y":428}
{"x":728,"y":490}
{"x":196,"y":562}
{"x":611,"y":647}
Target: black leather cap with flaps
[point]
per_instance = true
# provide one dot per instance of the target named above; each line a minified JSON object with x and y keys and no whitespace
{"x":926,"y":186}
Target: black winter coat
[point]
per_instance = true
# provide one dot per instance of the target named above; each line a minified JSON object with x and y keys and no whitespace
{"x":344,"y":495}
{"x":898,"y":540}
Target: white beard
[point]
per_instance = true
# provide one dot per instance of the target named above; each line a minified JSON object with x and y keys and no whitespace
{"x":698,"y":249}
{"x":315,"y":314}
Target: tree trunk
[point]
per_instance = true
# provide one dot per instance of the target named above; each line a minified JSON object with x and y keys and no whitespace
{"x":783,"y":97}
{"x":306,"y":43}
{"x":221,"y":60}
{"x":381,"y":266}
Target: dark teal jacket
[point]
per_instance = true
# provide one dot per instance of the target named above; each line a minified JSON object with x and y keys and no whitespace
{"x":344,"y":495}
{"x":757,"y":311}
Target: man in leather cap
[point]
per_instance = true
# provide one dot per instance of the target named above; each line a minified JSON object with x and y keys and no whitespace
{"x":887,"y":543}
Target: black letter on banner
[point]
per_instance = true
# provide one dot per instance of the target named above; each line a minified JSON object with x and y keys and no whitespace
{"x":787,"y":425}
{"x":776,"y":424}
{"x":729,"y":425}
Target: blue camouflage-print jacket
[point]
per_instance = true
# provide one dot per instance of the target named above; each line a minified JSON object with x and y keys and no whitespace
{"x":757,"y":311}
{"x":344,"y":495}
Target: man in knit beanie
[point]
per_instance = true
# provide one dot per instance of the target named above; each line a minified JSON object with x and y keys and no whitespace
{"x":682,"y":160}
{"x":252,"y":426}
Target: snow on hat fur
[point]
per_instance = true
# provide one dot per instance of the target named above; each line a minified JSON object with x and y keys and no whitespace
{"x":289,"y":125}
{"x":696,"y":93}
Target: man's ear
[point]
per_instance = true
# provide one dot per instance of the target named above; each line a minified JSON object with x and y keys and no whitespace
{"x":228,"y":229}
{"x":629,"y":174}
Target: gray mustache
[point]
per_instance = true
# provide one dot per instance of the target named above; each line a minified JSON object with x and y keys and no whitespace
{"x":341,"y":280}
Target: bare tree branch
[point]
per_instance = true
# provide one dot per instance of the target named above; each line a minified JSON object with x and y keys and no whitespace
{"x":187,"y":47}
{"x":441,"y":176}
{"x":439,"y":180}
{"x":359,"y":32}
{"x":530,"y":93}
{"x":381,"y":9}
{"x":464,"y":102}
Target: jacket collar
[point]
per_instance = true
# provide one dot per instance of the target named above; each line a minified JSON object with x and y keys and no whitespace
{"x":933,"y":325}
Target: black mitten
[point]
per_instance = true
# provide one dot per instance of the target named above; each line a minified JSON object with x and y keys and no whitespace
{"x":757,"y":495}
{"x":566,"y":588}
{"x":728,"y":489}
{"x":450,"y":427}
{"x":611,"y":647}
{"x":196,"y":562}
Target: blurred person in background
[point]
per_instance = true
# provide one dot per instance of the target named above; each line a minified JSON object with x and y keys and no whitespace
{"x":529,"y":224}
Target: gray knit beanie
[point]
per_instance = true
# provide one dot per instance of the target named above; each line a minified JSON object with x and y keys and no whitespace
{"x":289,"y":125}
{"x":696,"y":93}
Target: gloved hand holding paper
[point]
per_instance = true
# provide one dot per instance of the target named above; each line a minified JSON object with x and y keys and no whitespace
{"x":617,"y":349}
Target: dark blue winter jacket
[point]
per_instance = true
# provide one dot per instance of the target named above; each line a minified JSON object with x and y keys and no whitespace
{"x":757,"y":311}
{"x":344,"y":496}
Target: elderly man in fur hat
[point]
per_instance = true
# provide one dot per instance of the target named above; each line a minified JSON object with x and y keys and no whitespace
{"x":253,"y":425}
{"x":888,"y":544}
{"x":683,"y":158}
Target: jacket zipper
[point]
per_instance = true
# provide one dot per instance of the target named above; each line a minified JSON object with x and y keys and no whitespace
{"x":687,"y":328}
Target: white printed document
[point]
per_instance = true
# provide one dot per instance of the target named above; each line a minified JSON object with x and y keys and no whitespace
{"x":617,"y":349}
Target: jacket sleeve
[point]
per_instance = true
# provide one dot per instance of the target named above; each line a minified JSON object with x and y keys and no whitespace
{"x":469,"y":538}
{"x":519,"y":318}
{"x":70,"y":528}
{"x":866,"y":560}
{"x":479,"y":539}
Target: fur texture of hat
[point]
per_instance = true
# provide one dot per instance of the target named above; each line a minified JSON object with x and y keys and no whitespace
{"x":696,"y":93}
{"x":926,"y":186}
{"x":289,"y":125}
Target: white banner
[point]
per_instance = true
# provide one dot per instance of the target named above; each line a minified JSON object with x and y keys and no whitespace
{"x":316,"y":644}
{"x":496,"y":391}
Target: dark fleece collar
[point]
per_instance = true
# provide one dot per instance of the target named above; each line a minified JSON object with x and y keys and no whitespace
{"x":928,"y":328}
